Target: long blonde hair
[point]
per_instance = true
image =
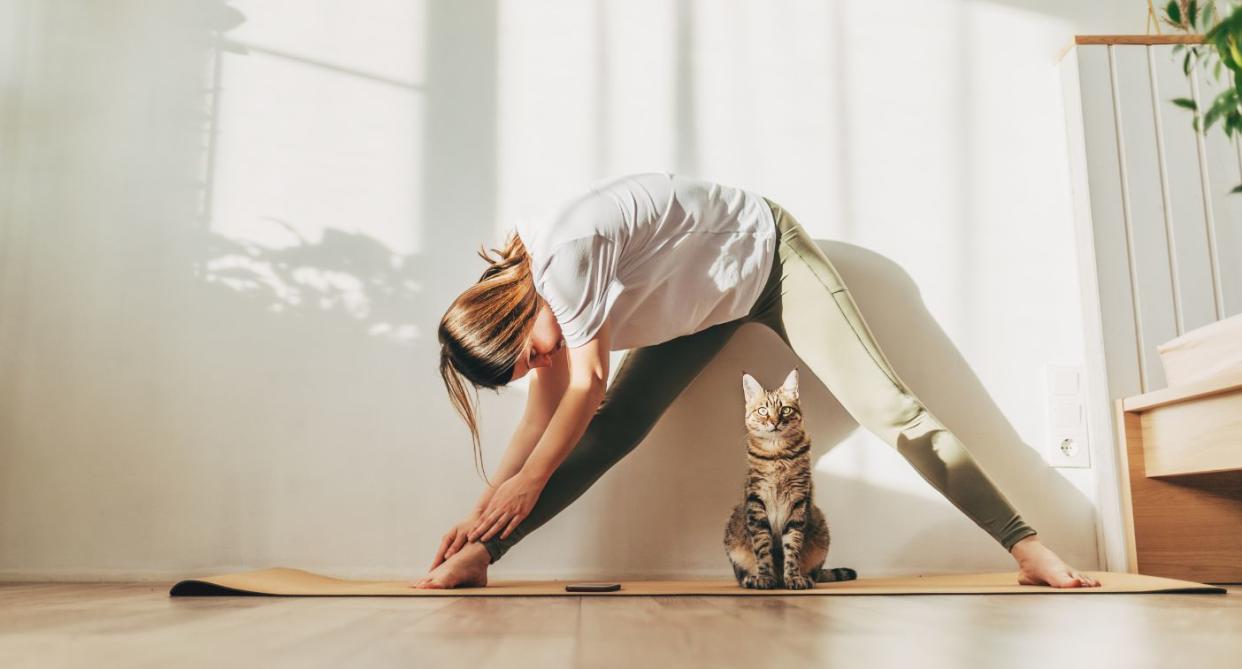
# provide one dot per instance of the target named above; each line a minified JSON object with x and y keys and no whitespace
{"x":483,"y":332}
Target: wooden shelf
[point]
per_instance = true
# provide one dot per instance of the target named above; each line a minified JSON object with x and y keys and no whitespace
{"x":1192,"y":429}
{"x":1190,"y":391}
{"x":1180,"y":454}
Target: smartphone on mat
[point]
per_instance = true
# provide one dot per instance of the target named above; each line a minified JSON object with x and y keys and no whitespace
{"x":592,"y":587}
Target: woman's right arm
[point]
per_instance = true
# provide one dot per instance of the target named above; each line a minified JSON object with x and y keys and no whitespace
{"x":546,"y":390}
{"x":547,"y":386}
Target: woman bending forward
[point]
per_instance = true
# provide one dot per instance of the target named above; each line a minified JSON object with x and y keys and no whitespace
{"x":669,"y":268}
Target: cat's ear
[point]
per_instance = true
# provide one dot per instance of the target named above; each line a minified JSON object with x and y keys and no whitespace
{"x":750,"y":387}
{"x":791,"y":383}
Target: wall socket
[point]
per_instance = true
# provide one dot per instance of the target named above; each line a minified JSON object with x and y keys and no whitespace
{"x":1067,"y":443}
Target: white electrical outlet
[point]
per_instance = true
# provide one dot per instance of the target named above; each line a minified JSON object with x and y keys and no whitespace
{"x":1067,"y":444}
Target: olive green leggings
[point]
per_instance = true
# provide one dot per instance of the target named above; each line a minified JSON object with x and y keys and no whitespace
{"x":805,"y":302}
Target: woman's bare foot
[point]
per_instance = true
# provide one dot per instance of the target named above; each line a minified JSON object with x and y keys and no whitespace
{"x":1038,"y":565}
{"x":467,"y":568}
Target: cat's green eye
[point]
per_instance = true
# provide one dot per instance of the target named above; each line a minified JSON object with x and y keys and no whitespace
{"x":763,"y":411}
{"x":786,"y":411}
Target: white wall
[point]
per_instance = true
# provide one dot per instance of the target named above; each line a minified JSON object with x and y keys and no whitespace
{"x":229,"y":232}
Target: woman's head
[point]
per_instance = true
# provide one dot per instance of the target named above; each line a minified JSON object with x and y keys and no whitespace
{"x":495,"y":331}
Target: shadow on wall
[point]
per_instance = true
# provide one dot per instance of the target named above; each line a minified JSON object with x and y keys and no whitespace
{"x":336,"y":338}
{"x":345,"y":274}
{"x":231,"y":403}
{"x":674,"y":523}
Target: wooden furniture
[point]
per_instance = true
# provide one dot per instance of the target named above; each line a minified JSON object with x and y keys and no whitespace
{"x":1180,"y":456}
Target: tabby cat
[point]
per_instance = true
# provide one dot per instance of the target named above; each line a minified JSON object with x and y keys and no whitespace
{"x":778,"y":538}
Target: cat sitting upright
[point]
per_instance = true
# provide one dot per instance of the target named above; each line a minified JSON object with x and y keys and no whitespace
{"x":777,"y":537}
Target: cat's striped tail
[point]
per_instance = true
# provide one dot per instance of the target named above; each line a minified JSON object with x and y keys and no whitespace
{"x":835,"y":574}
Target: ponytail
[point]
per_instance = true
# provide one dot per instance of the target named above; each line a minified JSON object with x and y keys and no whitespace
{"x":483,"y":332}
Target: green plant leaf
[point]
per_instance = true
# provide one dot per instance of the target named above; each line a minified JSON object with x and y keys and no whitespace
{"x":1174,"y":12}
{"x":1223,"y":103}
{"x":1192,"y":13}
{"x":1211,"y":35}
{"x":1186,"y":64}
{"x":1233,"y":121}
{"x":1233,"y":50}
{"x":1236,"y":189}
{"x":1230,"y":26}
{"x":1213,"y":113}
{"x":1186,"y":102}
{"x":1226,"y":57}
{"x":1208,"y":13}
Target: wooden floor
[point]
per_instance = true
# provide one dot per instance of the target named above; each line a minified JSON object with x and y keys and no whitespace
{"x":138,"y":625}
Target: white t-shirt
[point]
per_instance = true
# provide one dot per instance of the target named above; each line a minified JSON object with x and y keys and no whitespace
{"x":656,"y":255}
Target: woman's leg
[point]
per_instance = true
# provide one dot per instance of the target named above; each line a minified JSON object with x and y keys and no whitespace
{"x":817,"y":317}
{"x":647,"y":382}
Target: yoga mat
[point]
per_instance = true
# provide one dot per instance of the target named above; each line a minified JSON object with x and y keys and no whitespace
{"x":298,"y":583}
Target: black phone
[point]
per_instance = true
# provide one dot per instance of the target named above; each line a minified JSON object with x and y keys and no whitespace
{"x":592,"y":587}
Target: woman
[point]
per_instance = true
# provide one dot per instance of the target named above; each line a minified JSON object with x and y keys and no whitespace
{"x":669,"y":268}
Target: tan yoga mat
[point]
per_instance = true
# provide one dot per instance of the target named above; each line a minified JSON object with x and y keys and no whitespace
{"x":298,"y":583}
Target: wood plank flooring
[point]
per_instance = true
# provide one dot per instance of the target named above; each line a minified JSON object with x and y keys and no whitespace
{"x":138,"y":625}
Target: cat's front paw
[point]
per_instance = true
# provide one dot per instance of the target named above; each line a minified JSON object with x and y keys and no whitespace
{"x":758,"y":582}
{"x":798,"y":582}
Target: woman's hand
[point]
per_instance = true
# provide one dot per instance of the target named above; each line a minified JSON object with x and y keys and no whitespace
{"x":511,"y":502}
{"x":454,"y":539}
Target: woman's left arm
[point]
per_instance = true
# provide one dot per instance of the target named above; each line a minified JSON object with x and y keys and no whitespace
{"x":514,"y":499}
